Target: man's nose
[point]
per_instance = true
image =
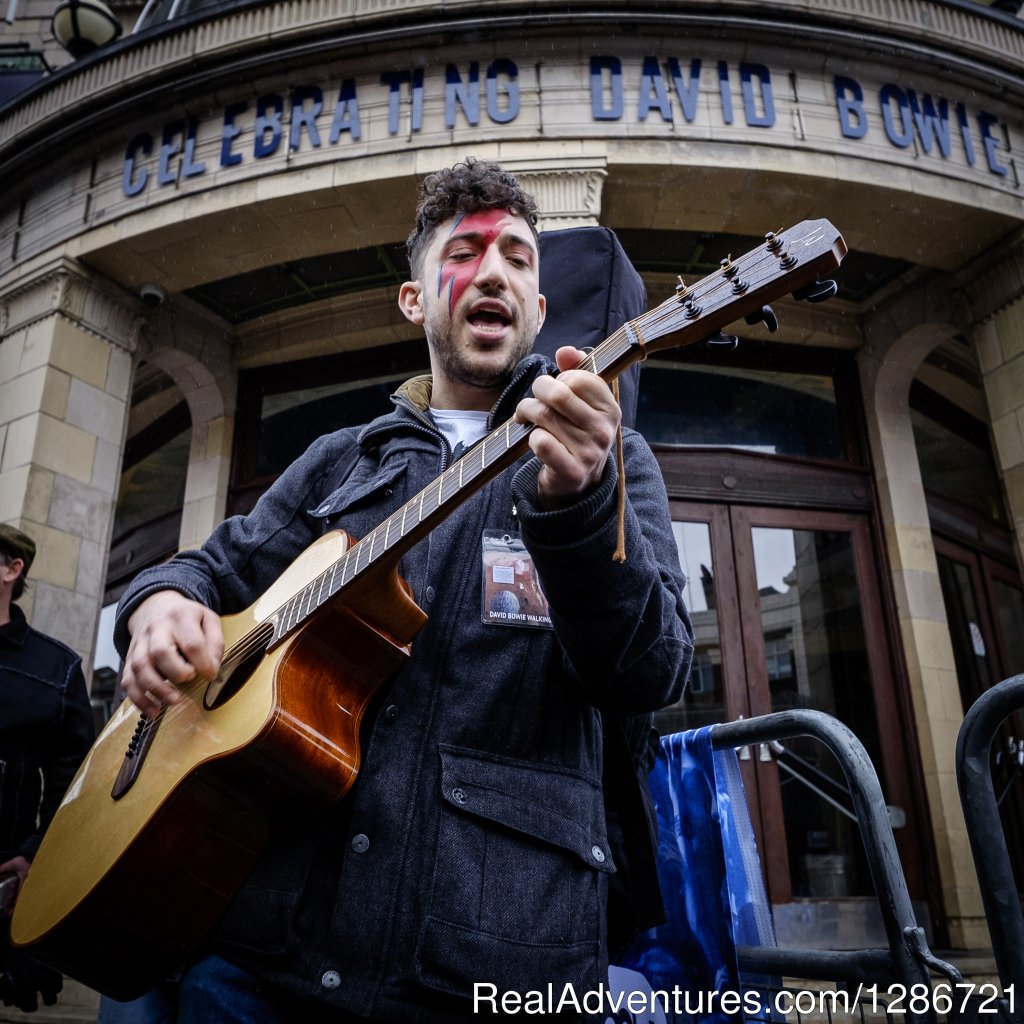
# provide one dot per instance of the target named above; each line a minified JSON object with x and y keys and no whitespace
{"x":491,"y":269}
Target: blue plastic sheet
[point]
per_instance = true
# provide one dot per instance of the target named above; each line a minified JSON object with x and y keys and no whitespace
{"x":710,"y":878}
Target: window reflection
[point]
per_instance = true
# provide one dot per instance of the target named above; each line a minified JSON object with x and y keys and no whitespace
{"x":756,"y":410}
{"x":963,"y":616}
{"x":957,"y":463}
{"x":703,"y":703}
{"x":154,"y":485}
{"x":816,"y":657}
{"x":1010,"y":609}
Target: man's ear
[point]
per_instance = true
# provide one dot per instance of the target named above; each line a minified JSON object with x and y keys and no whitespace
{"x":542,"y":309}
{"x":12,"y":570}
{"x":410,"y":302}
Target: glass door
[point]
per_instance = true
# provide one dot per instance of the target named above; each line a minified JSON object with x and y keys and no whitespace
{"x":787,"y":615}
{"x":715,"y":692}
{"x":985,"y":609}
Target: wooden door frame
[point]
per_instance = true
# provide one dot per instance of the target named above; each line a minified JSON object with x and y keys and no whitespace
{"x":983,"y":569}
{"x":992,"y":570}
{"x":735,"y":693}
{"x":744,"y":677}
{"x":888,"y":720}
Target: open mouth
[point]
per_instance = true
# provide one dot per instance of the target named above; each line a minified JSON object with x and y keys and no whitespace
{"x":489,"y":318}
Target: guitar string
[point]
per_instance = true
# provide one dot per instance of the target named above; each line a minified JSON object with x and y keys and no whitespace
{"x":704,"y":290}
{"x":168,"y":712}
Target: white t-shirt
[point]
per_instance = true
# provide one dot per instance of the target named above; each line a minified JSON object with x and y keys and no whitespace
{"x":462,"y":427}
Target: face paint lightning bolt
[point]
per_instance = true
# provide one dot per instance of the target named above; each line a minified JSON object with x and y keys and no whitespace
{"x":479,"y":231}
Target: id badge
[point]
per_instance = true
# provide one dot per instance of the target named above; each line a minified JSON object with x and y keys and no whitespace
{"x":511,"y":593}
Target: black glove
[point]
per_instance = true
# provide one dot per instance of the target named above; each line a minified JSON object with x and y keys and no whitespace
{"x":24,"y":978}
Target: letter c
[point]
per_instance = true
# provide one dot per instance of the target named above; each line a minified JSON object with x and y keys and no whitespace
{"x":129,"y":186}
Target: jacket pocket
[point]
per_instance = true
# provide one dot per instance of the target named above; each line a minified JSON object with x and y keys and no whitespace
{"x":520,"y":875}
{"x":358,"y":505}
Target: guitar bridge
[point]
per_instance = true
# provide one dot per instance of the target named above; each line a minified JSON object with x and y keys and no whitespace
{"x":138,"y":747}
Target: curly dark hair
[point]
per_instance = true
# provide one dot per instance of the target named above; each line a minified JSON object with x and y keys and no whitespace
{"x":465,"y":188}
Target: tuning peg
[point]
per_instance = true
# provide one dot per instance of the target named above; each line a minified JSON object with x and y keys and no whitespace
{"x":816,"y":291}
{"x":766,"y":315}
{"x":722,"y":340}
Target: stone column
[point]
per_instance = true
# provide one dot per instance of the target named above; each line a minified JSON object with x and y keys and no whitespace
{"x":66,"y":343}
{"x":567,"y":190}
{"x":997,"y":308}
{"x":195,"y":352}
{"x":897,"y":339}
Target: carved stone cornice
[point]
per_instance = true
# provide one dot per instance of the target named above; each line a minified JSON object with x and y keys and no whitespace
{"x":568,"y":197}
{"x":68,"y":290}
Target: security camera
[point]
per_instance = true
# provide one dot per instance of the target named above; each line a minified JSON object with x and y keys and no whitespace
{"x":153,"y":295}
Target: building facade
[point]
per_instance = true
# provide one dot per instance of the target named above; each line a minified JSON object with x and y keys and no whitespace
{"x":200,"y":253}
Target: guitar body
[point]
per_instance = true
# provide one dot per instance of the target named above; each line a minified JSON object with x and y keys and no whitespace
{"x":131,"y":875}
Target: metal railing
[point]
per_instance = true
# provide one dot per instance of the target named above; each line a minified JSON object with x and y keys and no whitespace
{"x":985,"y":831}
{"x":906,"y":961}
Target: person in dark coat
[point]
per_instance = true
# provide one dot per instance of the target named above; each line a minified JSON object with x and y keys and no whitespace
{"x":46,"y":729}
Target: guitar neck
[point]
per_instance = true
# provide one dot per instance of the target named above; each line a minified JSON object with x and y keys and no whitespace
{"x":786,"y":262}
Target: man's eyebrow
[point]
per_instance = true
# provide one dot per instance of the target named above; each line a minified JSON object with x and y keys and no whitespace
{"x":472,"y":236}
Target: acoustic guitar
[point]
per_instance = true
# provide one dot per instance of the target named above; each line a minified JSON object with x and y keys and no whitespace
{"x":167,"y":816}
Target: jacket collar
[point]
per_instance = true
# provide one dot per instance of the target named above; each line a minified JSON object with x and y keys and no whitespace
{"x":412,"y":400}
{"x":15,"y":631}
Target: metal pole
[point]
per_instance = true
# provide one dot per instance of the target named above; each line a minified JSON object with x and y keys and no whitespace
{"x":985,"y":830}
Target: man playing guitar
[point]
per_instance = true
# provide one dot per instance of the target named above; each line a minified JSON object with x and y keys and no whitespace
{"x":471,"y":857}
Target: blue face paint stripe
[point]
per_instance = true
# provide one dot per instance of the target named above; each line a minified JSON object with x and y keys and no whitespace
{"x":459,"y":217}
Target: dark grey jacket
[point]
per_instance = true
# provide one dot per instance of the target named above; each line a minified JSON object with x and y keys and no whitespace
{"x":473,"y":847}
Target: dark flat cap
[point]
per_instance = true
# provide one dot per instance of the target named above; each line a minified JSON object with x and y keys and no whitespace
{"x":17,"y":544}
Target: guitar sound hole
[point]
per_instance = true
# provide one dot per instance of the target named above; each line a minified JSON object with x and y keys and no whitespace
{"x":231,"y":678}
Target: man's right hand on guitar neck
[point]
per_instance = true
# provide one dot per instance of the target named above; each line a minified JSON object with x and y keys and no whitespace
{"x":174,"y":640}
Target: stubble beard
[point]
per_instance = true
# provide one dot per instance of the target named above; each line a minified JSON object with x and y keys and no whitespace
{"x":458,"y":365}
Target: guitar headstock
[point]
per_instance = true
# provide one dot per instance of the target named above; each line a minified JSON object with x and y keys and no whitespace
{"x":787,"y":261}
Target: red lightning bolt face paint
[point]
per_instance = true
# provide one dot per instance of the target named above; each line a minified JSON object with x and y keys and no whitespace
{"x":480,"y":230}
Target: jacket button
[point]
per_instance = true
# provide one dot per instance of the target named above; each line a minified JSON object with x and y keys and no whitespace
{"x":598,"y":854}
{"x":430,"y":594}
{"x":331,"y":979}
{"x":390,"y":712}
{"x":459,"y":795}
{"x":360,"y":843}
